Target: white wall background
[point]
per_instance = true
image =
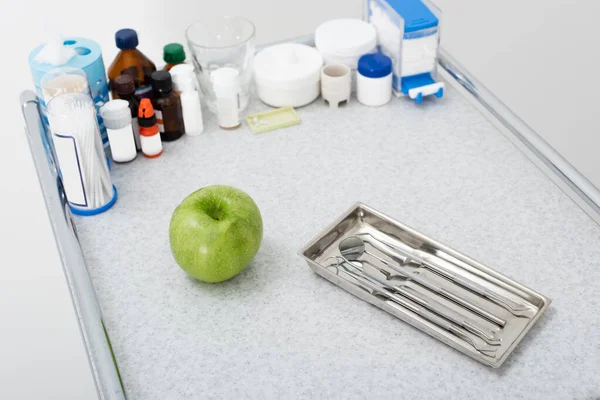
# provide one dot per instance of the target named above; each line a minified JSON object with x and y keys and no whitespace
{"x":537,"y":56}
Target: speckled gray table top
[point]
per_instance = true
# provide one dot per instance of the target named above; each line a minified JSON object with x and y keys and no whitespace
{"x":278,"y":330}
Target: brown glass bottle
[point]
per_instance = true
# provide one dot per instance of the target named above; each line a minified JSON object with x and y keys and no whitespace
{"x":167,"y":107}
{"x":131,"y":61}
{"x":125,"y":88}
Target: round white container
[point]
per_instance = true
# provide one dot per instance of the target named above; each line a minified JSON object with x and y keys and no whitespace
{"x":117,"y":119}
{"x":344,"y":41}
{"x":287,"y":75}
{"x":374,"y":80}
{"x":374,"y":92}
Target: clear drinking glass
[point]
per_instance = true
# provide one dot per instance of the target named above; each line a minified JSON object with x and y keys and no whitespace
{"x":222,"y":42}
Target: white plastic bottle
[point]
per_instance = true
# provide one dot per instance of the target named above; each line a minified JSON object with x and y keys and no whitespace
{"x":117,"y":119}
{"x":184,"y":81}
{"x":226,"y":85}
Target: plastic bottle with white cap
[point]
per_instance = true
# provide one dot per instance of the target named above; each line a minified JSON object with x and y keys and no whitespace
{"x":226,"y":85}
{"x":117,"y":119}
{"x":184,"y":81}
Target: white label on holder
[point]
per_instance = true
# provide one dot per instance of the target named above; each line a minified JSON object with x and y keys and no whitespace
{"x":71,"y":169}
{"x":159,"y":121}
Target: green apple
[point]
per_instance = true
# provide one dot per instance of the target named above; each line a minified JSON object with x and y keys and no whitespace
{"x":215,"y":232}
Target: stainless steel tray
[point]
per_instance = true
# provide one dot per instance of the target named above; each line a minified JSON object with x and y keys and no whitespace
{"x":321,"y":252}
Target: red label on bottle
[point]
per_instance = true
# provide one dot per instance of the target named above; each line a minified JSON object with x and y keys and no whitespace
{"x":159,"y":121}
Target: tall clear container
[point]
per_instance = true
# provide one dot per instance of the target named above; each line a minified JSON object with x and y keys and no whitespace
{"x":408,"y":31}
{"x":222,"y":42}
{"x":80,"y":154}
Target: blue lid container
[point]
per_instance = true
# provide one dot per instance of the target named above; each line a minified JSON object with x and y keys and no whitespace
{"x":375,"y":65}
{"x":416,"y":15}
{"x":88,"y":57}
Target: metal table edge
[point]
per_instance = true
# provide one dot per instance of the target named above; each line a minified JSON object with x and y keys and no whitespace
{"x":101,"y":360}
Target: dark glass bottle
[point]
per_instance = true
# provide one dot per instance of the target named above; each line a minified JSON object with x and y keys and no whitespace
{"x":167,"y":107}
{"x":131,"y":61}
{"x":124,"y":86}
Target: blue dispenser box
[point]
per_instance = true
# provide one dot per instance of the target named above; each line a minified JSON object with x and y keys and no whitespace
{"x":408,"y":33}
{"x":88,"y":57}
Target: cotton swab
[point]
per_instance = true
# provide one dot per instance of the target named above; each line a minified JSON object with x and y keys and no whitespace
{"x":80,"y":153}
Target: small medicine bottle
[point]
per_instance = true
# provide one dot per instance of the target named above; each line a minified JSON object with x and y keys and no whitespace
{"x":131,"y":61}
{"x":226,"y":85}
{"x":125,"y":88}
{"x":173,"y":54}
{"x":149,"y":133}
{"x":167,"y":107}
{"x":184,"y":81}
{"x":117,"y":119}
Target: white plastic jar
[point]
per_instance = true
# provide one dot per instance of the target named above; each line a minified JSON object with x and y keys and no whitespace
{"x":374,"y":80}
{"x":344,"y":41}
{"x":117,"y":119}
{"x":287,"y":75}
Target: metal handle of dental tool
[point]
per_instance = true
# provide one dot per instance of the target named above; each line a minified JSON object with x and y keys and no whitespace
{"x":378,"y":289}
{"x":513,"y":308}
{"x":486,"y":350}
{"x":354,"y":248}
{"x":374,"y":273}
{"x":441,"y":291}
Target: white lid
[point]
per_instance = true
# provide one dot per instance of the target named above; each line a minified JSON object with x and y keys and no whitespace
{"x":116,"y":114}
{"x":183,"y":77}
{"x":225,"y":81}
{"x":287,"y":66}
{"x":181,"y":71}
{"x":345,"y":37}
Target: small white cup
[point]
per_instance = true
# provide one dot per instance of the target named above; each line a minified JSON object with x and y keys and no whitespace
{"x":336,"y":84}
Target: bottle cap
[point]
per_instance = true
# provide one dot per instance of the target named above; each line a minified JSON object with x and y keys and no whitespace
{"x":116,"y":114}
{"x":161,"y":83}
{"x":183,"y":77}
{"x":287,"y":66}
{"x":126,"y":39}
{"x":124,"y":84}
{"x":173,"y":53}
{"x":225,"y":81}
{"x":345,"y":37}
{"x":375,"y":65}
{"x":146,"y":117}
